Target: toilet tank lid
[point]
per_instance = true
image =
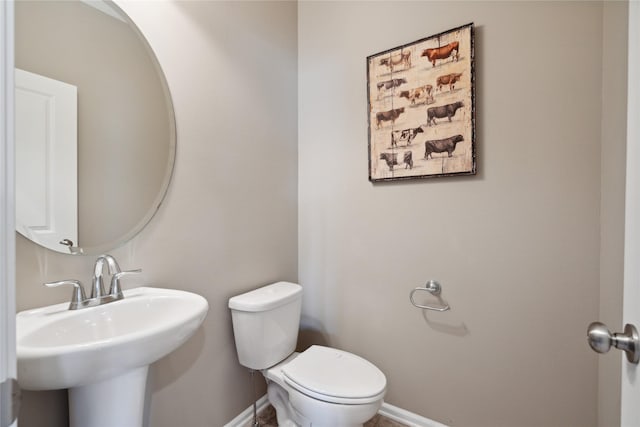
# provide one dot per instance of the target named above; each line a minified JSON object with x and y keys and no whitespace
{"x":266,"y":297}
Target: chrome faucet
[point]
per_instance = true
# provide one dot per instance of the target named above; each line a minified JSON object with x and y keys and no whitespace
{"x":97,"y":284}
{"x":98,"y":294}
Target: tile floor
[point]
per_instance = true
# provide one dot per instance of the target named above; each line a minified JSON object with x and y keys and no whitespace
{"x":267,"y":418}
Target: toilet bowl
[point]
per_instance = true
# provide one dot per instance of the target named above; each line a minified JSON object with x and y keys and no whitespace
{"x":321,"y":386}
{"x":325,"y":387}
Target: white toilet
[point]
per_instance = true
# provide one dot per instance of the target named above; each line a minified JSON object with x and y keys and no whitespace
{"x":321,"y":386}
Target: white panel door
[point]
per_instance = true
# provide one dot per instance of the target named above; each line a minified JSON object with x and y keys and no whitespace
{"x":630,"y":411}
{"x":46,"y":160}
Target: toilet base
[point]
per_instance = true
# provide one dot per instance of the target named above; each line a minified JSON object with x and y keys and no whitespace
{"x":286,"y":415}
{"x":290,"y":407}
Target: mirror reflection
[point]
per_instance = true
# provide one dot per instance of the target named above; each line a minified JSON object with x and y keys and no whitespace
{"x":95,"y":133}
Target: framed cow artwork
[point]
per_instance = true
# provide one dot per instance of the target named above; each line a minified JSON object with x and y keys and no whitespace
{"x":421,"y":102}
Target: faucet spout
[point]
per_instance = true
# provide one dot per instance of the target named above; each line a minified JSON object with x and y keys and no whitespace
{"x":97,"y":284}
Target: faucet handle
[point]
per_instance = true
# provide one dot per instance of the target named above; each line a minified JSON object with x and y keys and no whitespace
{"x":115,"y":289}
{"x":77,"y":297}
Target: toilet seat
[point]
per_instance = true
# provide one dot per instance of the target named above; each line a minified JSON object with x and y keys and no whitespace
{"x":335,"y":376}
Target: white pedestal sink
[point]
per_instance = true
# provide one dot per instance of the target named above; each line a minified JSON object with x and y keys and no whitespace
{"x":102,"y":354}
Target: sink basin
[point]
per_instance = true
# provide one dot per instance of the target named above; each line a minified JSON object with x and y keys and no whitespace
{"x":59,"y":348}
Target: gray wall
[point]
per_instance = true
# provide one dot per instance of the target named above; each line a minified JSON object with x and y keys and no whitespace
{"x":520,"y":248}
{"x":229,"y":221}
{"x":612,"y":187}
{"x":516,"y":248}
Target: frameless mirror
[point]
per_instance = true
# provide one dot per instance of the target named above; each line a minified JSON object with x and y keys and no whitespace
{"x":95,"y":129}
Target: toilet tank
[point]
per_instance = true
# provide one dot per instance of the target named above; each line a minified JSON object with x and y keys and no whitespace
{"x":265,"y":324}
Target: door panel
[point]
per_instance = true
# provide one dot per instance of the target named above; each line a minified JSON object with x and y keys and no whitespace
{"x":46,"y":159}
{"x":630,"y":411}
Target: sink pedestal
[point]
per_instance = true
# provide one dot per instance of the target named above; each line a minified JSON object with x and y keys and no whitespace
{"x":118,"y":401}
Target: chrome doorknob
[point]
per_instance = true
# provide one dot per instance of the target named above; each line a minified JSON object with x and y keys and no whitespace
{"x":601,"y":339}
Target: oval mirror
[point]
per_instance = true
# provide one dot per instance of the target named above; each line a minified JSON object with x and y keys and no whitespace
{"x":95,"y":129}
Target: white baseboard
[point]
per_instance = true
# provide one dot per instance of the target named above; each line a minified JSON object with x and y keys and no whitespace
{"x":405,"y":417}
{"x":245,"y":419}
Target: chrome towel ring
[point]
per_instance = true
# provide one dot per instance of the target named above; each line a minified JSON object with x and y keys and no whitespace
{"x":433,"y":288}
